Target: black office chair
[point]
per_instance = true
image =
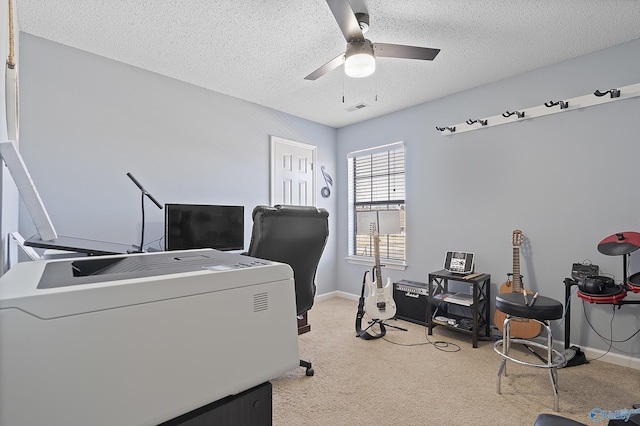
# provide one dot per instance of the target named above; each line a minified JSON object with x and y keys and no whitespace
{"x":295,"y":235}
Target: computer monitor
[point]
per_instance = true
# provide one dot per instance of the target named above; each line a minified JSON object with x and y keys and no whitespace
{"x":193,"y":226}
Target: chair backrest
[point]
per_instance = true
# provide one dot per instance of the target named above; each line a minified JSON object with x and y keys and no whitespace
{"x":295,"y":235}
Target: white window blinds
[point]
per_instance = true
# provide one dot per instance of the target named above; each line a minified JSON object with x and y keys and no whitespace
{"x":377,"y":182}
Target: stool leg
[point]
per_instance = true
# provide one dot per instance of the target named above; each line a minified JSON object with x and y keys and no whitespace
{"x":507,"y":338}
{"x":553,"y":372}
{"x":554,"y":381}
{"x":500,"y":371}
{"x":506,"y":342}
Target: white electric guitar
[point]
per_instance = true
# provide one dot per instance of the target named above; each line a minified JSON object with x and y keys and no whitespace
{"x":379,"y":304}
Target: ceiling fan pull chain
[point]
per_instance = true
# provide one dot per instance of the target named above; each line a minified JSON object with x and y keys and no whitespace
{"x":376,"y":79}
{"x":343,"y":78}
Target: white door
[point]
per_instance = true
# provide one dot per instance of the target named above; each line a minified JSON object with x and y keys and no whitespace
{"x":292,"y":173}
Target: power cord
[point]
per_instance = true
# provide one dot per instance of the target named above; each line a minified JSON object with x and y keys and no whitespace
{"x":564,"y":314}
{"x":610,"y":341}
{"x":158,"y":241}
{"x":441,"y":345}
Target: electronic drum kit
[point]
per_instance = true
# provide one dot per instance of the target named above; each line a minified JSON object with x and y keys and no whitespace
{"x":602,"y":289}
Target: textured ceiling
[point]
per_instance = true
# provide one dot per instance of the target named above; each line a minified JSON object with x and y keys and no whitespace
{"x":261,"y":50}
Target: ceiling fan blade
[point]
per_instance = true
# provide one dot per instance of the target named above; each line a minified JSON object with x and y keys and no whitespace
{"x":329,"y":66}
{"x":346,"y":19}
{"x":401,"y":51}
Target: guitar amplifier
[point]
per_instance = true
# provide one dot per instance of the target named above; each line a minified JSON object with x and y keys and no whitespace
{"x":411,"y":299}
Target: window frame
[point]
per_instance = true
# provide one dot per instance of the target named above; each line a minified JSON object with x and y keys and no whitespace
{"x":369,"y":260}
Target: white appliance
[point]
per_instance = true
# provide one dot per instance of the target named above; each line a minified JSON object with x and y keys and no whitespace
{"x":142,"y":338}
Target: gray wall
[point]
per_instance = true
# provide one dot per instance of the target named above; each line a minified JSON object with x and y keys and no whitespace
{"x":86,"y":121}
{"x":566,"y":180}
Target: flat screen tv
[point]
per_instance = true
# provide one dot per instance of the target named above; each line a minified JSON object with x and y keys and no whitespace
{"x":194,"y":226}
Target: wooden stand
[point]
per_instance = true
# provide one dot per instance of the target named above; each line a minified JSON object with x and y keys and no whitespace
{"x":439,"y":283}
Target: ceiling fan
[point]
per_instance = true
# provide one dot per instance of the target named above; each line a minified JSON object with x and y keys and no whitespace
{"x":359,"y":57}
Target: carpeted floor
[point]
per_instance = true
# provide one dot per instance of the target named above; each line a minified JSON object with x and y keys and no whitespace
{"x":406,"y":380}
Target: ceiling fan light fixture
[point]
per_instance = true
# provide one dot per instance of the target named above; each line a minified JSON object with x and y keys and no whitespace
{"x":359,"y":60}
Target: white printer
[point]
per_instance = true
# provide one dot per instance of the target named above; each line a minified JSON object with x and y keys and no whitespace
{"x":139,"y":339}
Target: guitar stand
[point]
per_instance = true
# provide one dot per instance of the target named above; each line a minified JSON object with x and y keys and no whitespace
{"x":365,"y":333}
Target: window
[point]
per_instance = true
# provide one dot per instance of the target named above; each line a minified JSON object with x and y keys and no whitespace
{"x":377,"y":182}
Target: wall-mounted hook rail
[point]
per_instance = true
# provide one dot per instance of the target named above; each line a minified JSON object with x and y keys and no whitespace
{"x":562,"y":104}
{"x":615,"y":93}
{"x":626,"y":92}
{"x":520,"y":114}
{"x":482,"y":122}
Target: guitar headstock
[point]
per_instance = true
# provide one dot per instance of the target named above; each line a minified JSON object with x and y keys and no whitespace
{"x":516,"y":238}
{"x":373,"y":229}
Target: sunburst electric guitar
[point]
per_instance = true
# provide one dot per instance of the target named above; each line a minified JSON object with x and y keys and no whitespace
{"x":521,"y":328}
{"x":379,"y":304}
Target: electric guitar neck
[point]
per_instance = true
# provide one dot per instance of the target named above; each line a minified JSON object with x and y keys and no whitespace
{"x":379,"y":303}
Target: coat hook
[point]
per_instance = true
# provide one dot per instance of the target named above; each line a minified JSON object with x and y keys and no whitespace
{"x":615,"y":93}
{"x":451,"y":129}
{"x":562,"y":104}
{"x":482,"y":122}
{"x":509,"y":114}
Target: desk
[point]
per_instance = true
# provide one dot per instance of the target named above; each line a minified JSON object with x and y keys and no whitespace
{"x":479,"y":307}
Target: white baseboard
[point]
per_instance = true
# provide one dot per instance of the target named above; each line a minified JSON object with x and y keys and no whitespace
{"x":611,"y":358}
{"x":336,"y":293}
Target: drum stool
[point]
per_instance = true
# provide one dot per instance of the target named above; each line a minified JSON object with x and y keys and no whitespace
{"x":541,"y":309}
